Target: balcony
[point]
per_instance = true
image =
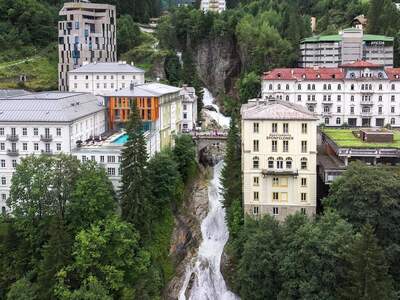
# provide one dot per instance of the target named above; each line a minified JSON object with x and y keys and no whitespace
{"x":366,"y":113}
{"x":12,"y":137}
{"x":46,"y":138}
{"x":12,"y":152}
{"x":47,"y":152}
{"x":280,"y":172}
{"x":366,"y":102}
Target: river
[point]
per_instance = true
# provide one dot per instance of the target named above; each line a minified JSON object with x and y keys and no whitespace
{"x":205,"y":269}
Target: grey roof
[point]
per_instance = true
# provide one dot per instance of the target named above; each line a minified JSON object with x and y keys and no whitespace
{"x":49,"y":107}
{"x":152,"y":89}
{"x":107,"y":68}
{"x":11,"y":93}
{"x":275,"y":110}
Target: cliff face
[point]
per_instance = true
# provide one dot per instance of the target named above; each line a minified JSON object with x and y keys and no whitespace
{"x":218,"y":64}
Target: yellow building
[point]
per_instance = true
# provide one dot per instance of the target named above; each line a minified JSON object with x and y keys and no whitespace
{"x":279,"y":153}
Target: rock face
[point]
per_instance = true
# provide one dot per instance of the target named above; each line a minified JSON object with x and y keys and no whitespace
{"x":218,"y":64}
{"x":186,"y":237}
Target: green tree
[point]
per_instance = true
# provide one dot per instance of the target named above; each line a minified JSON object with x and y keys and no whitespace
{"x":128,"y":34}
{"x":185,"y":155}
{"x":366,"y":276}
{"x":173,"y":68}
{"x":249,"y":86}
{"x":22,"y":289}
{"x":135,"y":189}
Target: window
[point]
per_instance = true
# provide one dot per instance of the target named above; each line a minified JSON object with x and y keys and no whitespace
{"x":271,"y":163}
{"x":303,"y":182}
{"x":75,"y":85}
{"x":304,"y":146}
{"x":24,"y":131}
{"x":111,"y":159}
{"x":380,"y":99}
{"x":279,"y":86}
{"x":105,"y":77}
{"x":288,"y":163}
{"x":14,"y":163}
{"x":338,"y":121}
{"x":285,"y":146}
{"x":352,"y":87}
{"x":101,"y":158}
{"x":97,"y":85}
{"x":256,"y":127}
{"x":275,"y":195}
{"x":256,"y":162}
{"x":105,"y":85}
{"x":58,"y":131}
{"x":339,"y":109}
{"x":304,"y":128}
{"x":380,"y":110}
{"x":1,"y":131}
{"x":35,"y":146}
{"x":123,"y":85}
{"x":112,"y":85}
{"x":3,"y":163}
{"x":256,"y":181}
{"x":185,"y":115}
{"x":287,"y":97}
{"x":123,"y":76}
{"x":274,"y":127}
{"x":279,"y":163}
{"x":25,"y":146}
{"x":285,"y":128}
{"x":327,"y":109}
{"x":120,"y":159}
{"x":313,"y":87}
{"x":58,"y":147}
{"x":274,"y":146}
{"x":255,"y":196}
{"x":392,"y":109}
{"x":255,"y":145}
{"x":270,"y":86}
{"x":111,"y":171}
{"x":84,"y":158}
{"x":299,"y":86}
{"x":393,"y":87}
{"x":393,"y":98}
{"x":392,"y":121}
{"x":93,"y":158}
{"x":339,"y":98}
{"x":303,"y":197}
{"x":255,"y":210}
{"x":303,"y":163}
{"x":298,"y":97}
{"x":339,"y":87}
{"x":326,"y":121}
{"x":2,"y":146}
{"x":352,"y":110}
{"x":3,"y":180}
{"x":380,"y":87}
{"x":275,"y":211}
{"x":87,"y":85}
{"x":303,"y":211}
{"x":324,"y":86}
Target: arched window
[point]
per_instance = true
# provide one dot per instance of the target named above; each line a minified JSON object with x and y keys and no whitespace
{"x":256,"y":162}
{"x":279,"y":163}
{"x":303,"y":163}
{"x":352,"y":98}
{"x":287,"y":87}
{"x":392,"y":121}
{"x":313,"y":87}
{"x":338,"y":121}
{"x":393,"y":98}
{"x":270,"y":86}
{"x":279,"y":86}
{"x":324,"y":86}
{"x":329,"y":87}
{"x":308,"y":86}
{"x":380,"y":99}
{"x":287,"y":97}
{"x":288,"y":163}
{"x":352,"y":87}
{"x":393,"y":87}
{"x":299,"y":86}
{"x":362,"y":86}
{"x":339,"y":87}
{"x":380,"y":87}
{"x":270,"y":162}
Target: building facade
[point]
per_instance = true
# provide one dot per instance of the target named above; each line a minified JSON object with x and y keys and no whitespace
{"x":87,"y":33}
{"x":357,"y":94}
{"x":279,"y":152}
{"x":44,"y":123}
{"x":101,"y":78}
{"x":350,"y":45}
{"x":213,"y":5}
{"x":189,"y":108}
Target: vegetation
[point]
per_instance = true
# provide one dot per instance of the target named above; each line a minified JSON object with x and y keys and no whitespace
{"x":346,"y":138}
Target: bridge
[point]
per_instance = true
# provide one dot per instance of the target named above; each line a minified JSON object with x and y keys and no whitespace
{"x":210,"y":145}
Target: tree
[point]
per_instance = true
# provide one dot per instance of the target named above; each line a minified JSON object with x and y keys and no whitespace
{"x":366,"y":276}
{"x":135,"y":189}
{"x":22,"y":289}
{"x":173,"y":68}
{"x":128,"y":34}
{"x":249,"y":87}
{"x":185,"y":153}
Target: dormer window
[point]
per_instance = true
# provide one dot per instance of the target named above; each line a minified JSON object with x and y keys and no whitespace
{"x":304,"y":76}
{"x":333,"y":76}
{"x":318,"y":75}
{"x":380,"y":75}
{"x":279,"y":75}
{"x":352,"y":75}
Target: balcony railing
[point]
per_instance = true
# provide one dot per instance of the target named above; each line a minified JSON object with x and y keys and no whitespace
{"x":366,"y":113}
{"x":46,"y":138}
{"x":12,"y":137}
{"x":12,"y":152}
{"x":47,"y":152}
{"x":278,"y":172}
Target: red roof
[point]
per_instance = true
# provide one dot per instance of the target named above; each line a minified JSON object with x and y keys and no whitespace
{"x":305,"y":73}
{"x":361,"y":64}
{"x":393,"y":73}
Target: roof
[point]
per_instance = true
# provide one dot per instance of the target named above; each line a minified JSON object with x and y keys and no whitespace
{"x":49,"y":107}
{"x":189,"y":94}
{"x":338,"y":38}
{"x":361,"y":64}
{"x":11,"y":93}
{"x":107,"y":68}
{"x":304,"y":73}
{"x":152,"y":89}
{"x":275,"y":110}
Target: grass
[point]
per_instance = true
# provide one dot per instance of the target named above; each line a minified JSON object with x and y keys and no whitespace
{"x":346,"y":139}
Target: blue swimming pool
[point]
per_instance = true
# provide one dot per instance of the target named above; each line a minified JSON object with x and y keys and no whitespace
{"x":121,"y":139}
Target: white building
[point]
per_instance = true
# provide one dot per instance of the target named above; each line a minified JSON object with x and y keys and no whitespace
{"x":44,"y":123}
{"x":279,"y":152}
{"x":189,"y":108}
{"x":213,"y":5}
{"x":348,"y":46}
{"x":86,"y":33}
{"x":357,"y":94}
{"x":101,"y":78}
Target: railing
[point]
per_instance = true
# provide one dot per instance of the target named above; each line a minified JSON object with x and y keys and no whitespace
{"x":278,"y":172}
{"x":12,"y":152}
{"x":46,"y":138}
{"x":47,"y":152}
{"x":12,"y":137}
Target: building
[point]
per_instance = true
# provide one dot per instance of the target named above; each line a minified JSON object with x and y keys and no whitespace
{"x":160,"y":107}
{"x":339,"y":147}
{"x":101,"y":78}
{"x":44,"y":123}
{"x":360,"y":22}
{"x":350,"y":45}
{"x":279,"y":153}
{"x":87,"y":33}
{"x":357,"y":94}
{"x":213,"y":5}
{"x":189,"y":108}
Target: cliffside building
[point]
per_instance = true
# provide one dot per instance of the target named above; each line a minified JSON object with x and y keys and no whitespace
{"x":87,"y":33}
{"x":279,"y":153}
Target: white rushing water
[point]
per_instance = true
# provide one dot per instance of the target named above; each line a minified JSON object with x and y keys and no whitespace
{"x":208,"y":282}
{"x":208,"y":100}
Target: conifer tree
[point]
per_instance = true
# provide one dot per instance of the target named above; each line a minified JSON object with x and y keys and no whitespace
{"x":367,"y":275}
{"x":134,"y":193}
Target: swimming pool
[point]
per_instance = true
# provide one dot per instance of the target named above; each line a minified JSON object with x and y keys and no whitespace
{"x":122,"y":139}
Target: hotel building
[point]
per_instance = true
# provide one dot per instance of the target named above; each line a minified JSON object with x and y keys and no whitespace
{"x":357,"y":94}
{"x":331,"y":51}
{"x":101,"y":78}
{"x":189,"y":108}
{"x":279,"y":153}
{"x":87,"y":33}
